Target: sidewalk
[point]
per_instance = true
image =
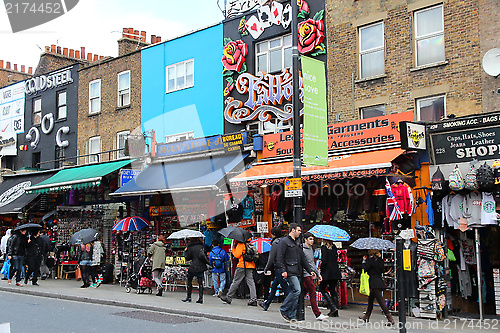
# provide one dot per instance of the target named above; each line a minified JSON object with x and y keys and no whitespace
{"x":238,"y":311}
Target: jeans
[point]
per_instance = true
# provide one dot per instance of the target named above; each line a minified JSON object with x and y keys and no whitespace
{"x":33,"y":268}
{"x":376,"y":294}
{"x":289,"y":306}
{"x":239,"y":275}
{"x":278,"y":281}
{"x":215,"y":280}
{"x":311,"y":289}
{"x":16,"y":267}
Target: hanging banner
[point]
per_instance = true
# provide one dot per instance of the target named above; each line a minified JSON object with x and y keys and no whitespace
{"x":315,"y":135}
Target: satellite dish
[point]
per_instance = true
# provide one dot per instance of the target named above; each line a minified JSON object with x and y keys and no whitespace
{"x":491,"y":62}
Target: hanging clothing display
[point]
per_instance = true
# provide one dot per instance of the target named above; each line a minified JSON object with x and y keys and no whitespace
{"x":402,"y":196}
{"x":472,"y":208}
{"x":273,"y":202}
{"x":258,"y":202}
{"x":488,"y":212}
{"x":429,"y":210}
{"x":234,"y":210}
{"x":248,"y":207}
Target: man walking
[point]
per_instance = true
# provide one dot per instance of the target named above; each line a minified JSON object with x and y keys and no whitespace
{"x":290,"y":260}
{"x":16,"y":252}
{"x":34,"y":251}
{"x":217,"y":259}
{"x":308,"y":279}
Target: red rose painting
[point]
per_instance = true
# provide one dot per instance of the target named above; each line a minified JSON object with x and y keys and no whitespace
{"x":234,"y":54}
{"x":311,"y":35}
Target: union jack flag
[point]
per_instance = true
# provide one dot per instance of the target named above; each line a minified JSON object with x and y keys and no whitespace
{"x":393,"y":211}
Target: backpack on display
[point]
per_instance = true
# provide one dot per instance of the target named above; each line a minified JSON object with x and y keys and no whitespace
{"x":217,"y":260}
{"x":470,"y":181}
{"x":251,"y":254}
{"x":485,"y":180}
{"x":437,"y":180}
{"x":455,"y":179}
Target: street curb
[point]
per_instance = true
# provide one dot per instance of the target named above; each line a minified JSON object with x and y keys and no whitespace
{"x":31,"y":292}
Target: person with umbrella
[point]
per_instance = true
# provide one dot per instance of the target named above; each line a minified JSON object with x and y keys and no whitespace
{"x":330,"y":272}
{"x":84,"y":258}
{"x":374,"y":266}
{"x":199,"y":261}
{"x":35,"y":249}
{"x":16,"y":252}
{"x":157,"y":252}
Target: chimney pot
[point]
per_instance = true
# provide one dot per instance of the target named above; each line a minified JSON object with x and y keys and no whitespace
{"x":89,"y":56}
{"x":53,"y":48}
{"x":130,"y":31}
{"x":153,"y":39}
{"x":15,"y":67}
{"x":77,"y":54}
{"x":96,"y":57}
{"x":136,"y":34}
{"x":65,"y":51}
{"x":8,"y":65}
{"x":30,"y":70}
{"x":1,"y":63}
{"x":143,"y":36}
{"x":82,"y":53}
{"x":72,"y":53}
{"x":124,"y":33}
{"x":47,"y":49}
{"x":58,"y":50}
{"x":158,"y":39}
{"x":100,"y":57}
{"x":23,"y":69}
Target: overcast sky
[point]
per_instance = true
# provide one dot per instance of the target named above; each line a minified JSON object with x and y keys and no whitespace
{"x":97,"y":25}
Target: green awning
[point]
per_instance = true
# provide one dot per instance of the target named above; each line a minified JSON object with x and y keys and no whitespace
{"x":77,"y":177}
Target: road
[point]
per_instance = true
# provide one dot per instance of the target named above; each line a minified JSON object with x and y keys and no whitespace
{"x":33,"y":314}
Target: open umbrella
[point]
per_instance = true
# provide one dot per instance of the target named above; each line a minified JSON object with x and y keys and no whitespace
{"x":238,"y":234}
{"x":185,"y":233}
{"x":330,"y":232}
{"x":372,"y":243}
{"x":262,"y":244}
{"x":131,"y":223}
{"x":28,"y":226}
{"x":84,"y":236}
{"x":49,"y":214}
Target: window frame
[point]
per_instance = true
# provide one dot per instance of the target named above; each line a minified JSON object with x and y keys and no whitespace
{"x":186,"y":86}
{"x":37,"y":112}
{"x":433,"y":97}
{"x":119,"y":91}
{"x":418,"y":38}
{"x":282,"y":46}
{"x":178,"y":137}
{"x":59,"y":157}
{"x":372,"y":50}
{"x":364,"y":108}
{"x":121,"y":153}
{"x":90,"y":158}
{"x":59,"y":106}
{"x":96,"y":97}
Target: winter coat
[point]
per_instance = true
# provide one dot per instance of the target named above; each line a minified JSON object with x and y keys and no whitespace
{"x":290,"y":258}
{"x":217,"y":252}
{"x":329,"y":265}
{"x":36,"y":248}
{"x":97,"y":253}
{"x":272,"y":254}
{"x":238,"y":252}
{"x":196,"y":253}
{"x":3,"y":243}
{"x":83,"y":253}
{"x":17,"y":245}
{"x":157,"y":252}
{"x":374,"y":266}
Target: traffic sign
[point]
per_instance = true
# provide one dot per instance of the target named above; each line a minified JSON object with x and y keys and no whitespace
{"x":293,"y":187}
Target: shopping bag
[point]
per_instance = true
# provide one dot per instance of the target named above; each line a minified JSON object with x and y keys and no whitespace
{"x":6,"y":268}
{"x":364,"y":286}
{"x":78,"y":274}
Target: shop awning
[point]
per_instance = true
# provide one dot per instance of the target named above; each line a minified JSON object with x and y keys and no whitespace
{"x":77,"y":177}
{"x":192,"y":175}
{"x":366,"y":164}
{"x":12,"y":191}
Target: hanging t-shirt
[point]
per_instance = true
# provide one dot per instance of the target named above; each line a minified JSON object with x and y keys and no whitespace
{"x":402,"y":196}
{"x":456,"y":210}
{"x":273,"y":203}
{"x":488,"y":212}
{"x":259,"y":203}
{"x":234,"y":210}
{"x":248,"y":207}
{"x":429,"y":210}
{"x":410,"y":195}
{"x":472,"y":208}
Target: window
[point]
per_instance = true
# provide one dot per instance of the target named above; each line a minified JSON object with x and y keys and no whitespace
{"x":62,"y":108}
{"x":124,"y":88}
{"x":121,"y":138}
{"x":429,"y":35}
{"x":371,"y":50}
{"x":59,"y":157}
{"x":95,"y":96}
{"x":94,"y":147}
{"x":180,"y":75}
{"x":179,"y":137}
{"x":431,"y":108}
{"x":35,"y":160}
{"x":372,"y":111}
{"x":269,"y":127}
{"x":37,"y":111}
{"x":274,"y":55}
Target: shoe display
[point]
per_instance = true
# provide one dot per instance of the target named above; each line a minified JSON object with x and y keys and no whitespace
{"x":263,"y":305}
{"x":285,"y":317}
{"x":322,"y":317}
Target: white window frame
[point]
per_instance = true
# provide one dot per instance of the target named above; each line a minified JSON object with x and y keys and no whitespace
{"x":179,"y":137}
{"x":98,"y":98}
{"x":174,"y":66}
{"x":428,"y":36}
{"x":37,"y":113}
{"x":361,"y":110}
{"x":120,"y":153}
{"x":93,"y":158}
{"x":59,"y":106}
{"x":372,"y":50}
{"x":282,"y":46}
{"x":418,"y":101}
{"x":279,"y":126}
{"x":123,"y":91}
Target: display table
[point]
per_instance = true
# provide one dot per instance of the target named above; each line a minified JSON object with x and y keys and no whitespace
{"x":62,"y":264}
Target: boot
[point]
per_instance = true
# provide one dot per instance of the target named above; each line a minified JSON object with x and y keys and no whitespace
{"x":365,"y":317}
{"x":390,"y":320}
{"x":160,"y":292}
{"x":334,"y":311}
{"x":188,"y":296}
{"x":335,"y":300}
{"x":200,"y":295}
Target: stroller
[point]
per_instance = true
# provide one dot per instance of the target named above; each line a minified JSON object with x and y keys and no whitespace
{"x":142,"y":278}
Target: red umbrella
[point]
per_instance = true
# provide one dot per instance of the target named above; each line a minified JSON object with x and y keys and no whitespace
{"x":131,"y":223}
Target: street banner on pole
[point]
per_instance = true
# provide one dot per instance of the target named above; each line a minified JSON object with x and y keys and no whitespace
{"x":315,"y":114}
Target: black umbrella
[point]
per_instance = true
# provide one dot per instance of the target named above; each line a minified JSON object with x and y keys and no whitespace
{"x":238,"y":234}
{"x":84,"y":236}
{"x":28,"y":226}
{"x":49,"y":214}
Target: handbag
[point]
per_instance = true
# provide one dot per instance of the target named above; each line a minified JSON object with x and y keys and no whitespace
{"x":364,"y":285}
{"x":78,"y":274}
{"x":6,"y":268}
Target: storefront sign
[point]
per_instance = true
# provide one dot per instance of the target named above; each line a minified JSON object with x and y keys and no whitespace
{"x":8,"y":144}
{"x":44,"y":82}
{"x":12,"y":108}
{"x":242,"y":224}
{"x":189,"y":146}
{"x":13,"y":193}
{"x":488,"y":119}
{"x":232,"y":142}
{"x":278,"y":145}
{"x":127,"y":175}
{"x":293,"y":187}
{"x":315,"y":151}
{"x":413,"y":136}
{"x":162,"y":210}
{"x":466,"y":145}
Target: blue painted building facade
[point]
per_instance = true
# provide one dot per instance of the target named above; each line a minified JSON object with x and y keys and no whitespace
{"x":181,"y":85}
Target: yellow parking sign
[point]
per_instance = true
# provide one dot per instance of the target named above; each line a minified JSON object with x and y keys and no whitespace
{"x":293,"y":187}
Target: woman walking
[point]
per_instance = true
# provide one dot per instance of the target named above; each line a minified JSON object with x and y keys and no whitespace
{"x":330,"y":273}
{"x":374,"y":266}
{"x":84,"y":257}
{"x":199,"y":261}
{"x":157,"y":253}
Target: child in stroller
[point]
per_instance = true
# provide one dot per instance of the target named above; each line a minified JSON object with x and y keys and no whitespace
{"x":141,"y":278}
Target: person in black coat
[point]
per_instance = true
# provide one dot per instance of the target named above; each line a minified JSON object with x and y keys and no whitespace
{"x":374,"y":266}
{"x":330,"y":272}
{"x":35,"y":249}
{"x":16,"y":246}
{"x":199,"y":261}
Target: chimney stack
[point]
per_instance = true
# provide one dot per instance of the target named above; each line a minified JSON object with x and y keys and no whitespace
{"x":8,"y":65}
{"x":158,"y":39}
{"x":47,"y":49}
{"x":136,"y":34}
{"x":15,"y":67}
{"x":82,"y":52}
{"x":96,"y":57}
{"x":30,"y":70}
{"x":58,"y":50}
{"x":130,"y":32}
{"x":1,"y":63}
{"x":72,"y":53}
{"x":143,"y":36}
{"x":53,"y":48}
{"x":124,"y":33}
{"x":89,"y":56}
{"x":153,"y":39}
{"x":77,"y":54}
{"x":65,"y":51}
{"x":23,"y":69}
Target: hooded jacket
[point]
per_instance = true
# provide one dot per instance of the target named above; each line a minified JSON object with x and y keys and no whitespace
{"x":157,"y":253}
{"x":196,"y":253}
{"x":3,"y":242}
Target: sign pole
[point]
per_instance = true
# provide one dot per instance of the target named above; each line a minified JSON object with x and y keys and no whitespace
{"x":401,"y":286}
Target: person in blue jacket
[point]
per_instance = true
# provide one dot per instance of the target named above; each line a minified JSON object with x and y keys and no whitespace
{"x":217,"y":259}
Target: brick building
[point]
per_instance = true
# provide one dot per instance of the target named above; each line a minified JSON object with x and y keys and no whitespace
{"x":10,"y":75}
{"x":396,"y":56}
{"x":110,"y":100}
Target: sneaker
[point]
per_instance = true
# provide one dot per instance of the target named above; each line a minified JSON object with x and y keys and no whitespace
{"x":285,"y":317}
{"x":225,"y":299}
{"x":263,"y":305}
{"x":35,"y":284}
{"x":9,"y":281}
{"x":252,"y":303}
{"x":93,"y":285}
{"x":219,"y":294}
{"x":322,"y":317}
{"x":215,"y":295}
{"x":19,"y":284}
